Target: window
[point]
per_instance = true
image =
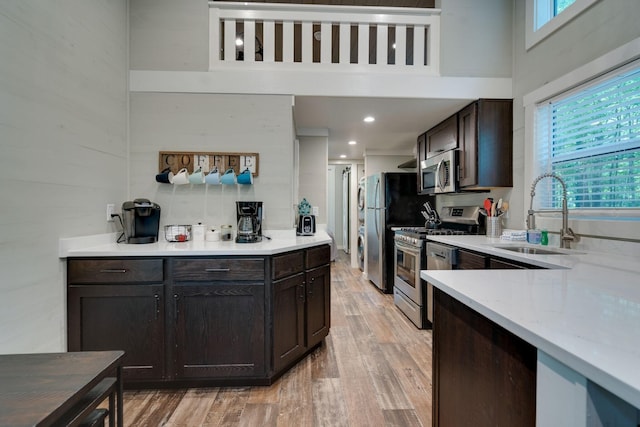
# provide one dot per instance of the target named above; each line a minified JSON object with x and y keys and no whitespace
{"x":546,"y":10}
{"x":590,"y":137}
{"x":543,"y":17}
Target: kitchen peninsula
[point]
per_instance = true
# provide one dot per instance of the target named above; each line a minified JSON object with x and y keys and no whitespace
{"x":573,"y":324}
{"x":199,"y":313}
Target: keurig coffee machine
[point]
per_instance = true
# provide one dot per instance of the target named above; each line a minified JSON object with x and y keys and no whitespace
{"x":140,"y":221}
{"x":249,"y":222}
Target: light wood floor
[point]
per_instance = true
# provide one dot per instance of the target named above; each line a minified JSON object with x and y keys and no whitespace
{"x":374,"y":369}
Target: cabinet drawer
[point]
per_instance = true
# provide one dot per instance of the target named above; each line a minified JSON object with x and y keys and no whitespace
{"x":114,"y":270}
{"x":471,"y":261}
{"x":287,"y":264}
{"x":218,"y":269}
{"x":318,"y":256}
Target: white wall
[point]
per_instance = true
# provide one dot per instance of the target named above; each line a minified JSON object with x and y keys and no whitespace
{"x":475,"y":38}
{"x":169,"y":35}
{"x":63,"y":115}
{"x":374,"y":164}
{"x":173,"y":36}
{"x":313,"y":173}
{"x":214,"y":123}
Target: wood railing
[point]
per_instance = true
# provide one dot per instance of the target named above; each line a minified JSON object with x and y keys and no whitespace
{"x":336,"y":37}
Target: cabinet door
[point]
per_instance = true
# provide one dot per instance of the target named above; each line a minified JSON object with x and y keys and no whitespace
{"x":422,"y":148}
{"x":219,"y":330}
{"x":318,"y":309}
{"x":483,"y":374}
{"x":120,"y":317}
{"x":288,"y":320}
{"x":443,"y":137}
{"x":468,"y":144}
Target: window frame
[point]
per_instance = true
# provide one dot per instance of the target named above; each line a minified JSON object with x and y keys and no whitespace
{"x":547,"y":108}
{"x":617,"y":220}
{"x":540,"y":22}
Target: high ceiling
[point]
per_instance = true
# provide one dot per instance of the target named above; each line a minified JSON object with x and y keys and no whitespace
{"x":398,"y":122}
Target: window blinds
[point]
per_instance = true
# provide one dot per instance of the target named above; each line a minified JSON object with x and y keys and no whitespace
{"x":591,"y":138}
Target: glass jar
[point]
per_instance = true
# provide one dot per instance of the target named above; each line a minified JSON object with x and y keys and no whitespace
{"x":226,"y":233}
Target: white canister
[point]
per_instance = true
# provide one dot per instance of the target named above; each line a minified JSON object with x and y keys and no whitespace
{"x":197,"y":231}
{"x":212,"y":235}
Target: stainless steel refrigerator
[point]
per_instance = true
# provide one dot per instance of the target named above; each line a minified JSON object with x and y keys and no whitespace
{"x":391,"y":200}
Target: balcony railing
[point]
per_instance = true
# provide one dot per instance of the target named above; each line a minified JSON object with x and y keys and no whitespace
{"x":335,"y":37}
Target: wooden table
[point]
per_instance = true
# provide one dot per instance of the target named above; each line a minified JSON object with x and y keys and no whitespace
{"x":59,"y":388}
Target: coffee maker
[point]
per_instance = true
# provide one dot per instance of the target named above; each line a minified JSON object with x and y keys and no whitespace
{"x":141,"y":221}
{"x":249,"y":222}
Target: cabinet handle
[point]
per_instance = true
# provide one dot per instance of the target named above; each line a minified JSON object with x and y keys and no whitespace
{"x":108,"y":270}
{"x":175,"y":304}
{"x":311,"y":286}
{"x":157,"y":302}
{"x":216,"y":270}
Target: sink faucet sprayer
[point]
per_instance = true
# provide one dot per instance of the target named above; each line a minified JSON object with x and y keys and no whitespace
{"x":566,"y":233}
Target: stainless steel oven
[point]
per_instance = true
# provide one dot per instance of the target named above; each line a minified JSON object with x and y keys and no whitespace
{"x":412,"y":295}
{"x":408,"y":287}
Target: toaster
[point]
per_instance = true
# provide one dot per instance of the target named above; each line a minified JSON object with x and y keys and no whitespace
{"x":306,"y":225}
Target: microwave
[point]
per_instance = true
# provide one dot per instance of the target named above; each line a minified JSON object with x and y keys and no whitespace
{"x":439,"y":174}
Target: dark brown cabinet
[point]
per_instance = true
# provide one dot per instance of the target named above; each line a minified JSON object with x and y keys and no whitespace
{"x":224,"y":320}
{"x":483,"y":374}
{"x":485,"y":142}
{"x":468,"y":260}
{"x":119,"y":305}
{"x":288,"y":321}
{"x":301,"y":303}
{"x":218,"y":317}
{"x":471,"y":260}
{"x":482,"y":134}
{"x":318,"y":314}
{"x":500,"y":264}
{"x":442,"y":137}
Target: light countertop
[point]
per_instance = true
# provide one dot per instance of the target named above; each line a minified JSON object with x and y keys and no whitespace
{"x":584,"y":310}
{"x":104,"y":245}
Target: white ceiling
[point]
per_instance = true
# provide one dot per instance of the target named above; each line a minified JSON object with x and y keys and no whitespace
{"x":395,"y":130}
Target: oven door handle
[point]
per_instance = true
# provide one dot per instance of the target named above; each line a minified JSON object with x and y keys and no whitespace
{"x":408,"y":248}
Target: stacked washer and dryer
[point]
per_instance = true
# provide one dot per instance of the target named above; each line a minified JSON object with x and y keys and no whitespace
{"x":361,"y":229}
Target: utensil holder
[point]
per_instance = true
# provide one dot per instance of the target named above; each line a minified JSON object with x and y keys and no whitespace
{"x":494,"y":226}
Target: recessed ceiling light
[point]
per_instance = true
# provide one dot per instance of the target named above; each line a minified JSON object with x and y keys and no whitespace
{"x":343,"y":156}
{"x":369,"y":119}
{"x":239,"y":42}
{"x":352,"y":142}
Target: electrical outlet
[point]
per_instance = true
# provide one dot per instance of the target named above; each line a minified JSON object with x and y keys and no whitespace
{"x":315,"y":210}
{"x":110,"y":211}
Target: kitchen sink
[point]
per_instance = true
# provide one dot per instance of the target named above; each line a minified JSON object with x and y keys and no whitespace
{"x":535,"y":251}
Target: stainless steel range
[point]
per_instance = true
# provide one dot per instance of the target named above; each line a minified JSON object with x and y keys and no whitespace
{"x":412,"y":295}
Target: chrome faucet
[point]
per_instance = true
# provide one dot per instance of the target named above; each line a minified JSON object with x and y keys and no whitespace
{"x":566,"y":233}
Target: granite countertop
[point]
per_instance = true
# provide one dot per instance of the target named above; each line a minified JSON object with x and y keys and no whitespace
{"x":104,"y":245}
{"x":584,"y":310}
